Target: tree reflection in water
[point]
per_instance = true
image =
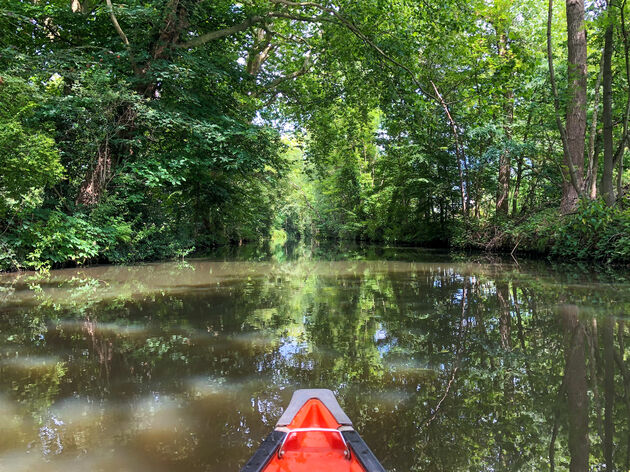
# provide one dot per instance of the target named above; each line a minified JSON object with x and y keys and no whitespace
{"x":442,"y":364}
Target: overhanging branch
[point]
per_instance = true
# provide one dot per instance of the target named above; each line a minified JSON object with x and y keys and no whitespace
{"x":204,"y":38}
{"x":123,"y":36}
{"x":246,"y":24}
{"x":308,"y":63}
{"x":359,"y":34}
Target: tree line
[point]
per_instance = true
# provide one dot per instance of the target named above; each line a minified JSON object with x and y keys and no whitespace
{"x":145,"y":130}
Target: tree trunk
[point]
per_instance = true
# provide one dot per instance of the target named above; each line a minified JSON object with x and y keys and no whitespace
{"x":519,"y":168}
{"x":504,"y":183}
{"x":505,"y":316}
{"x":623,"y":144}
{"x":593,"y":142}
{"x":593,"y":191}
{"x":97,"y":177}
{"x":609,"y":391}
{"x":620,"y":178}
{"x":576,"y":104}
{"x":607,"y":188}
{"x":576,"y":385}
{"x":517,"y":185}
{"x":504,"y":159}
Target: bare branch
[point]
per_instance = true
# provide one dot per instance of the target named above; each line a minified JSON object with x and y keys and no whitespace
{"x":246,"y":24}
{"x":306,"y":19}
{"x":291,"y":38}
{"x":121,"y":33}
{"x":123,"y":36}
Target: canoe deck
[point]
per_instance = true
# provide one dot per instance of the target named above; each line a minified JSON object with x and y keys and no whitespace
{"x":313,"y":435}
{"x":306,"y":449}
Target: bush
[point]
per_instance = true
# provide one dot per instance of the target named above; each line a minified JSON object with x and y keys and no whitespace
{"x":594,"y":231}
{"x":49,"y":237}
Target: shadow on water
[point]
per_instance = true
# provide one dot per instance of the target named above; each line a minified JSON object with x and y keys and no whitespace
{"x":443,"y":363}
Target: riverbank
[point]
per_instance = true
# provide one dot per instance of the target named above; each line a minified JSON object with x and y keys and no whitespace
{"x":594,"y":232}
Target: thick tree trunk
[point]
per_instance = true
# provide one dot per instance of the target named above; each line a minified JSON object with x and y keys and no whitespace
{"x":576,"y":385}
{"x":607,"y":187}
{"x":576,"y":104}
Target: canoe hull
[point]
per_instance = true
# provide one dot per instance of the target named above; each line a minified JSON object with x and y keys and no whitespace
{"x":314,"y":434}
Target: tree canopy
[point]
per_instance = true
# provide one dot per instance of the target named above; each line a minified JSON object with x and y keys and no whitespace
{"x":144,"y":130}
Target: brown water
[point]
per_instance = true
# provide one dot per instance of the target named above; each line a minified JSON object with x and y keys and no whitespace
{"x":442,"y":364}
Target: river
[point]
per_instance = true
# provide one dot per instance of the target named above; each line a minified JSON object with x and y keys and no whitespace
{"x":444,"y":363}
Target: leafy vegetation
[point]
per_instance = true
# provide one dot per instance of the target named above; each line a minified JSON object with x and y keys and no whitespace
{"x":146,"y":130}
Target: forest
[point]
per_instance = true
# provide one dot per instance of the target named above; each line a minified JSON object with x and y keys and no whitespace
{"x":145,"y":130}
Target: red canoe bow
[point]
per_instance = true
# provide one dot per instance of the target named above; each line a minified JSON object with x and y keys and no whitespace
{"x":314,"y":434}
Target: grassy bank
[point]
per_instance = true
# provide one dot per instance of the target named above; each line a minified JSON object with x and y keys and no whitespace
{"x":593,"y":232}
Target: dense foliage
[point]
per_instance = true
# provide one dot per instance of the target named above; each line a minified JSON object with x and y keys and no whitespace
{"x":145,"y":130}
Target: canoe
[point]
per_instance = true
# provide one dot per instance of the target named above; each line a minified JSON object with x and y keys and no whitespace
{"x":315,"y":435}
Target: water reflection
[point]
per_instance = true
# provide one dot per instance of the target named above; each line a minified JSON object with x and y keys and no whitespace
{"x":466,"y":364}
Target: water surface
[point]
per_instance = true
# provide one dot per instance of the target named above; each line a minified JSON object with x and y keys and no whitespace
{"x":443,"y":363}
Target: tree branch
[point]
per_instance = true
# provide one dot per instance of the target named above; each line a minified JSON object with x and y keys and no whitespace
{"x":359,"y":34}
{"x":246,"y":24}
{"x":318,"y":19}
{"x":460,"y":157}
{"x":123,"y":36}
{"x":204,"y":38}
{"x":306,"y":19}
{"x":260,"y":51}
{"x":308,"y":63}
